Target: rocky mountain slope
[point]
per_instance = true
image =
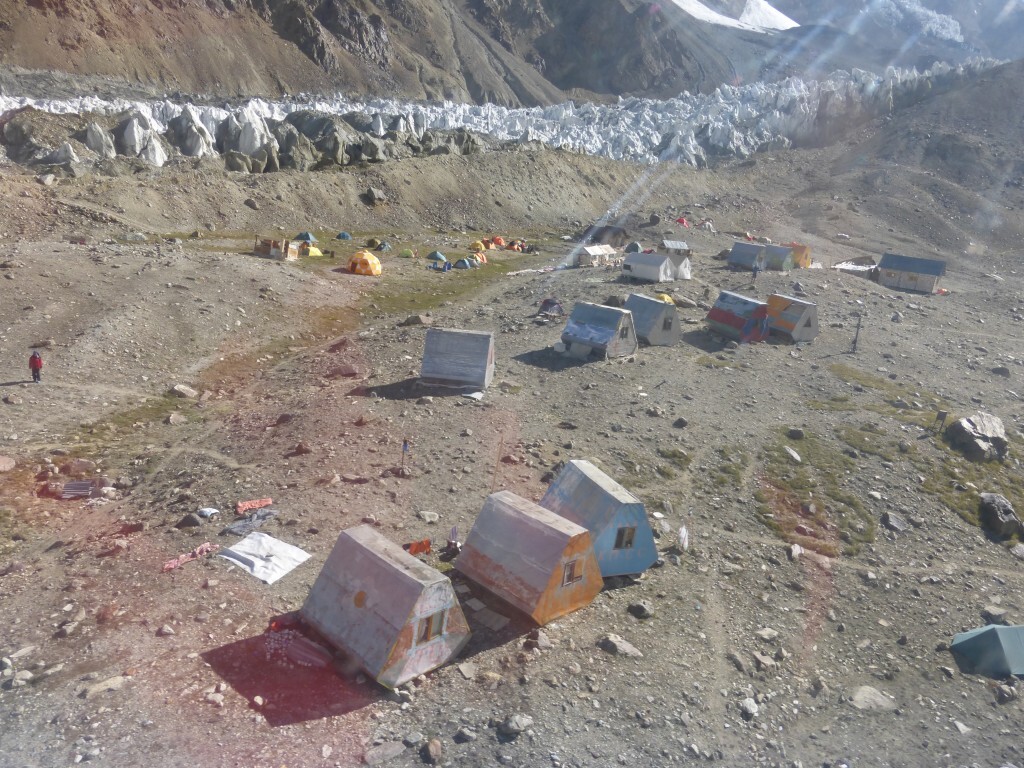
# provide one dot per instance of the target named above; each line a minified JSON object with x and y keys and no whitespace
{"x":510,"y":52}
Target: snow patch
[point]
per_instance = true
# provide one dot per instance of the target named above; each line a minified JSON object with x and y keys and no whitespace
{"x":758,"y":13}
{"x":757,"y":16}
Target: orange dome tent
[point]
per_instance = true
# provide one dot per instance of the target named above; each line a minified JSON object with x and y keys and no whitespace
{"x":498,"y":240}
{"x":364,"y":263}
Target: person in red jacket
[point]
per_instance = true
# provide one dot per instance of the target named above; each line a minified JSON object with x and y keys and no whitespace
{"x":35,"y":364}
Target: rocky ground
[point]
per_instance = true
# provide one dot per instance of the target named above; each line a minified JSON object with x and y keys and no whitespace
{"x":305,"y":384}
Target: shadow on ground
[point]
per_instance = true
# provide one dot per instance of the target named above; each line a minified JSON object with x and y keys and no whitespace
{"x":550,"y":360}
{"x":291,"y":693}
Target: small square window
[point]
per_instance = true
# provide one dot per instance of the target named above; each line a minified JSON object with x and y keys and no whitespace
{"x":573,"y":573}
{"x":430,"y":627}
{"x":666,"y":324}
{"x":624,"y":538}
{"x":624,"y":332}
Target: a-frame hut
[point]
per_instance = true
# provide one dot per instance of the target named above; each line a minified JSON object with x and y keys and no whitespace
{"x":779,"y":258}
{"x":801,"y":255}
{"x":616,"y":519}
{"x":390,"y":613}
{"x":595,"y":328}
{"x":455,"y":358}
{"x":739,"y":318}
{"x":792,"y":319}
{"x":746,"y":255}
{"x":656,"y":321}
{"x":910,"y":273}
{"x":593,"y":255}
{"x":533,"y":559}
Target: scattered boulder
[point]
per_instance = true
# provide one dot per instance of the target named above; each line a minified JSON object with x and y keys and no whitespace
{"x":641,"y":610}
{"x":373,"y":195}
{"x":183,"y":390}
{"x":981,"y":436}
{"x":998,"y":516}
{"x":415,"y":320}
{"x":381,"y":753}
{"x":868,"y":698}
{"x":513,"y":725}
{"x":616,"y":646}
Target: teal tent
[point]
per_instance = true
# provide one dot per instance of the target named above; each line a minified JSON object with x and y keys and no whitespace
{"x":994,"y":651}
{"x":384,"y":246}
{"x":437,"y":256}
{"x":343,"y":236}
{"x":464,"y":264}
{"x":308,"y":237}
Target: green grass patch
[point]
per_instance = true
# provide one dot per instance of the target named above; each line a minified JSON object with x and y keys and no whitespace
{"x":805,"y":503}
{"x":712,"y":361}
{"x":679,"y":458}
{"x":733,"y":463}
{"x":869,"y":439}
{"x":956,"y":481}
{"x":834,"y":403}
{"x":8,"y":529}
{"x":425,"y":290}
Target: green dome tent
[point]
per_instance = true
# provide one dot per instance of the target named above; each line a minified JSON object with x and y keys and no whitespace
{"x":406,"y":253}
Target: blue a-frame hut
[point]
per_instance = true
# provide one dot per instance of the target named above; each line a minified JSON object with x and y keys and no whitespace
{"x":616,"y":519}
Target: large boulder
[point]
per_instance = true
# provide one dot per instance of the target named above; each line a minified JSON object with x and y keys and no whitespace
{"x":137,"y":137}
{"x":329,"y":134}
{"x":980,"y":437}
{"x":187,"y":133}
{"x":99,"y":140}
{"x":237,"y":161}
{"x":295,"y":151}
{"x":244,"y":131}
{"x":998,"y":516}
{"x":63,"y":155}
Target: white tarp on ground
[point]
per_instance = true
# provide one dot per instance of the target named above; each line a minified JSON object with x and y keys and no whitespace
{"x":266,"y":558}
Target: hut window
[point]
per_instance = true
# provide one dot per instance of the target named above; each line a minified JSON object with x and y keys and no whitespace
{"x":573,"y":573}
{"x":666,"y":324}
{"x":624,"y":538}
{"x":624,"y":332}
{"x":431,"y":627}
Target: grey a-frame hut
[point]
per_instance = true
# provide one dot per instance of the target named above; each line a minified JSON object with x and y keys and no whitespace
{"x":616,"y":519}
{"x":393,"y":615}
{"x":656,"y":321}
{"x":595,"y":328}
{"x":455,"y":358}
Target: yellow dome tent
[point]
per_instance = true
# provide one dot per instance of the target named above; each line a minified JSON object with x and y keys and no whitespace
{"x":666,"y":298}
{"x":476,"y":246}
{"x":364,"y":263}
